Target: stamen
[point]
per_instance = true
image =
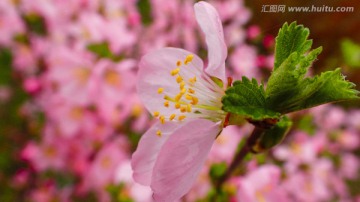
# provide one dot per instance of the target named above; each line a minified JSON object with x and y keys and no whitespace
{"x":188,"y":59}
{"x":192,"y":80}
{"x":188,"y":107}
{"x":190,"y":90}
{"x":162,"y":119}
{"x":177,"y":105}
{"x":183,"y":91}
{"x":175,"y":71}
{"x":166,"y":103}
{"x":178,"y":63}
{"x":195,"y":100}
{"x":188,"y":97}
{"x":156,"y":114}
{"x":172,"y":116}
{"x":182,"y":85}
{"x":158,"y":133}
{"x":182,"y":117}
{"x":179,"y":79}
{"x":160,"y":90}
{"x":178,"y":97}
{"x":183,"y":109}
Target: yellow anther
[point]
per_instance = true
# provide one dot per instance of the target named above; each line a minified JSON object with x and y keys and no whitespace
{"x":183,"y":91}
{"x":179,"y":79}
{"x":182,"y":117}
{"x":188,"y":59}
{"x":192,"y":80}
{"x":160,"y":90}
{"x":188,"y":107}
{"x":162,"y":119}
{"x":183,"y":109}
{"x":188,"y":97}
{"x":178,"y":63}
{"x":177,"y":105}
{"x":166,"y":103}
{"x":172,"y":116}
{"x":178,"y":97}
{"x":195,"y":100}
{"x":156,"y":114}
{"x":190,"y":90}
{"x":182,"y":85}
{"x":175,"y":71}
{"x":158,"y":133}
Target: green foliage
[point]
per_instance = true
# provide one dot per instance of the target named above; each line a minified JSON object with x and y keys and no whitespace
{"x":288,"y":88}
{"x":118,"y":193}
{"x":247,"y":98}
{"x":307,"y":125}
{"x":273,"y":136}
{"x":351,"y":53}
{"x":35,"y":23}
{"x":291,"y":38}
{"x":144,"y":8}
{"x":217,"y":171}
{"x":12,"y":130}
{"x":102,"y":50}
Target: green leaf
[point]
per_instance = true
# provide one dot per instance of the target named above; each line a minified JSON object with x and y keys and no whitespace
{"x":288,"y":89}
{"x":291,"y":38}
{"x":102,"y":50}
{"x":274,"y":136}
{"x":351,"y":53}
{"x":332,"y":87}
{"x":35,"y":23}
{"x":247,"y":98}
{"x":217,"y":170}
{"x":144,"y":7}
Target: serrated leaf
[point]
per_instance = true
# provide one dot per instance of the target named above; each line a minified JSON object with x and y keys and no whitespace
{"x":286,"y":87}
{"x":332,"y":87}
{"x":291,"y":38}
{"x":247,"y":98}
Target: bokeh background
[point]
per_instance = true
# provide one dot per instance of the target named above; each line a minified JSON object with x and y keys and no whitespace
{"x":70,"y":117}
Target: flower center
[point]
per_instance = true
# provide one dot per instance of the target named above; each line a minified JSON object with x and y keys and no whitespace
{"x":198,"y":96}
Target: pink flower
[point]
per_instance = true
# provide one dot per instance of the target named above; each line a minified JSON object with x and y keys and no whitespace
{"x":177,"y":90}
{"x":262,"y":185}
{"x":253,"y":32}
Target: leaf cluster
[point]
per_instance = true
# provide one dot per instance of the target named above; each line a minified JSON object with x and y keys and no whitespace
{"x":289,"y":88}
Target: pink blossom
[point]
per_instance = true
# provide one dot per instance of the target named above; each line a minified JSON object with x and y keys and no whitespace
{"x":171,"y":153}
{"x":103,"y":170}
{"x":350,"y":165}
{"x":262,"y":184}
{"x":253,"y":32}
{"x":113,"y":85}
{"x":243,"y":61}
{"x":269,"y":41}
{"x":71,"y":73}
{"x":31,"y":85}
{"x":10,"y":23}
{"x":312,"y":184}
